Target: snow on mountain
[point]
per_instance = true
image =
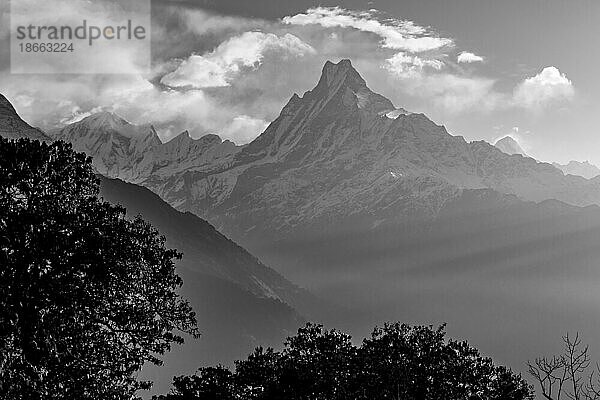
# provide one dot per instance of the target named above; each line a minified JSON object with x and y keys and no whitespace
{"x":510,"y":146}
{"x":119,"y":148}
{"x":333,"y":154}
{"x":584,"y":169}
{"x":185,"y":153}
{"x":396,"y":113}
{"x":340,"y":152}
{"x":133,"y":153}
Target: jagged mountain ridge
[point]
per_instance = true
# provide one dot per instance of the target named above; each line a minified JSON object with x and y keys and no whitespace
{"x":340,"y":152}
{"x":334,"y":153}
{"x":584,"y":169}
{"x":133,"y":153}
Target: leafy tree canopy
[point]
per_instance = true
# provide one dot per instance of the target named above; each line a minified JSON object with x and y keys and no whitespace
{"x":87,"y":296}
{"x":397,"y":362}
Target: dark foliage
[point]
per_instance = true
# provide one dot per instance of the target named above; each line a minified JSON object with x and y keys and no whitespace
{"x":397,"y":362}
{"x":87,"y":296}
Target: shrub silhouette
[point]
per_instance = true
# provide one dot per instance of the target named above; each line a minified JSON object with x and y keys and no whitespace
{"x":397,"y":362}
{"x":87,"y":296}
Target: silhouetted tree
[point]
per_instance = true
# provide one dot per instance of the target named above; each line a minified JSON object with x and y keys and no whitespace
{"x":418,"y":363}
{"x":396,"y":362}
{"x":568,"y":375}
{"x":316,"y":364}
{"x":87,"y":296}
{"x":210,"y":383}
{"x":258,"y":375}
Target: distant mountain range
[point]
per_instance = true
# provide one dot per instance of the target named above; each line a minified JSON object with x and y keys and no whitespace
{"x":338,"y":153}
{"x":584,"y":169}
{"x":134,"y":153}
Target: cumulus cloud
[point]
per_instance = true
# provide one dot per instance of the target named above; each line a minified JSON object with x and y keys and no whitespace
{"x":219,"y":67}
{"x":547,"y":87}
{"x":405,"y":65}
{"x":468,"y":57}
{"x":243,"y":129}
{"x":394,"y":33}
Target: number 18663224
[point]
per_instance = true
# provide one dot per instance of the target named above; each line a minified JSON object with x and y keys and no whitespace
{"x":46,"y":47}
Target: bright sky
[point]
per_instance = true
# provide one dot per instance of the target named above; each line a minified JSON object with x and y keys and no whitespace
{"x":482,"y":68}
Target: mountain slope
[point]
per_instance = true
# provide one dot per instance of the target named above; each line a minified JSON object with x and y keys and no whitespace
{"x":205,"y":250}
{"x":13,"y":127}
{"x":240,"y":303}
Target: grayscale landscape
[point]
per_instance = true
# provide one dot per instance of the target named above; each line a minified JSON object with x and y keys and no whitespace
{"x":352,"y":164}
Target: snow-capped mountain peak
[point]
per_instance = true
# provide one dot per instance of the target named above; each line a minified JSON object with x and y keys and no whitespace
{"x":112,"y":123}
{"x":344,"y":78}
{"x":338,"y":152}
{"x":131,"y":152}
{"x":510,"y":146}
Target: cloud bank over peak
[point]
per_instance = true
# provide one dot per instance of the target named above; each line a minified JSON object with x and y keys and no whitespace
{"x":231,"y":75}
{"x":218,"y":67}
